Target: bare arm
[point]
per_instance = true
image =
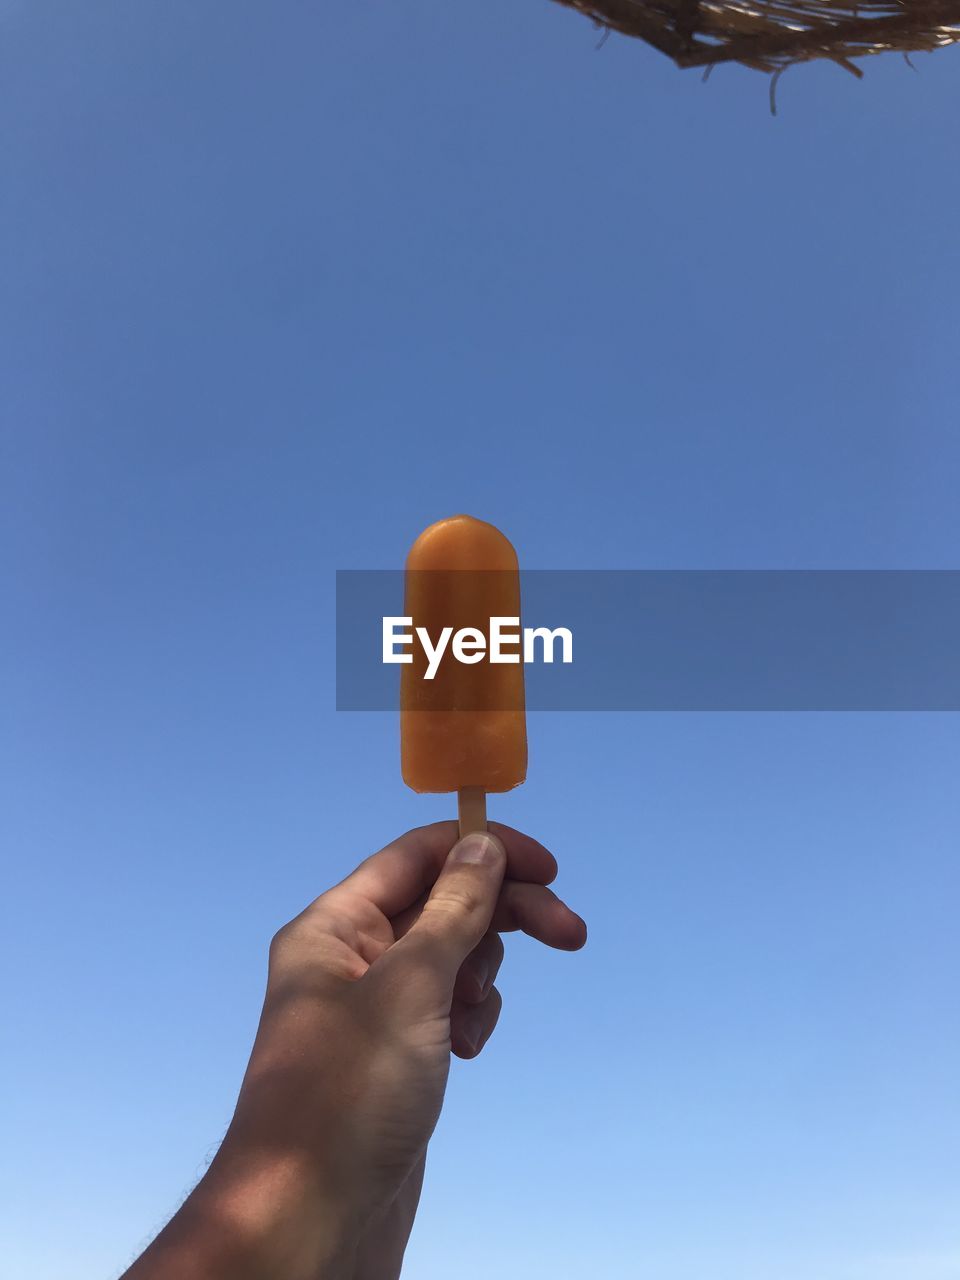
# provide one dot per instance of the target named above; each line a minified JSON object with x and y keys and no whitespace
{"x":369,"y":991}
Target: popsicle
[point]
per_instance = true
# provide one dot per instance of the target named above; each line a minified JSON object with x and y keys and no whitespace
{"x":465,"y":729}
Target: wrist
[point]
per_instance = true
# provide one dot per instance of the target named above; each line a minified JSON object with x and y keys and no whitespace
{"x":274,"y":1216}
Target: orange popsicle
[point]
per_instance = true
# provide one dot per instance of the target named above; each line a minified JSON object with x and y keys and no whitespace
{"x":465,"y":729}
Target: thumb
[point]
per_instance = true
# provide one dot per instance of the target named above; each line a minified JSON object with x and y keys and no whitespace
{"x":461,"y":905}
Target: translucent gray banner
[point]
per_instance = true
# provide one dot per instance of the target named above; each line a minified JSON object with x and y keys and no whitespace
{"x":691,"y":640}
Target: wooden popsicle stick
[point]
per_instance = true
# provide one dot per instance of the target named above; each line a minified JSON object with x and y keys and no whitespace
{"x":472,"y":810}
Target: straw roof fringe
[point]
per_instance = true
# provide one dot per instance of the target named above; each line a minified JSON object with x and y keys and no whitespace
{"x":771,"y":34}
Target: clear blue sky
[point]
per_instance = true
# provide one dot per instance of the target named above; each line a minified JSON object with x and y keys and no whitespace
{"x":281,"y":285}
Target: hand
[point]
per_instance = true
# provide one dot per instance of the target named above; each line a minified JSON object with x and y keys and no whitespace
{"x":369,"y":991}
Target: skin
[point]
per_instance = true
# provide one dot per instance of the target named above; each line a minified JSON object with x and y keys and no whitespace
{"x":369,"y":991}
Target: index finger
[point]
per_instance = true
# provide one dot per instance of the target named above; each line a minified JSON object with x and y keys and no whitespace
{"x":403,"y":870}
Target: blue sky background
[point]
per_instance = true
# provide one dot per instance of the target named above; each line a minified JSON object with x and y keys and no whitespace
{"x":283,"y":284}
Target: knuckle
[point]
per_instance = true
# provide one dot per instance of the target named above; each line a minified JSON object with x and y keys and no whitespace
{"x":286,"y":941}
{"x":280,"y":941}
{"x":462,"y":899}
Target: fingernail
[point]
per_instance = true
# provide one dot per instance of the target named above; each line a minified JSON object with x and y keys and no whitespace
{"x":478,"y":848}
{"x":473,"y":1035}
{"x":482,"y":974}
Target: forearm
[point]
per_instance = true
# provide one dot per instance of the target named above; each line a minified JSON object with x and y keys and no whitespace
{"x":256,"y":1215}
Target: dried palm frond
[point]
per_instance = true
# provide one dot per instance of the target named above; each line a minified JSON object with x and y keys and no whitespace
{"x":772,"y":34}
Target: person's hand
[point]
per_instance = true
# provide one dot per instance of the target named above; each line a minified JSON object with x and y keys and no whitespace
{"x":369,"y":991}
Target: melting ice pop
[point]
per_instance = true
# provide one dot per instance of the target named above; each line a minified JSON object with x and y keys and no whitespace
{"x":465,"y":729}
